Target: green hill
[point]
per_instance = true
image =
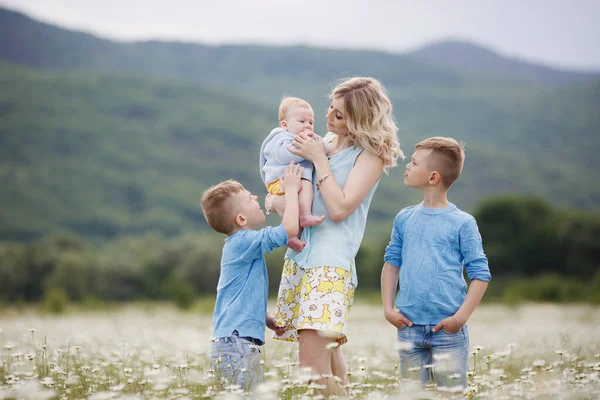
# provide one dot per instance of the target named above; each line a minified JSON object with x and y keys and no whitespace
{"x":106,"y":138}
{"x":105,"y":154}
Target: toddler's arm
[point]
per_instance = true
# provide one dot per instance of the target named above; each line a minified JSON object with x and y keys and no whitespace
{"x":282,"y":154}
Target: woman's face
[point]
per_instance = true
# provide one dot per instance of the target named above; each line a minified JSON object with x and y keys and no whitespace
{"x":336,"y":117}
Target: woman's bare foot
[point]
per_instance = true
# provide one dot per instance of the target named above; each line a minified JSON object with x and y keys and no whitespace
{"x":311,"y":220}
{"x":296,"y":244}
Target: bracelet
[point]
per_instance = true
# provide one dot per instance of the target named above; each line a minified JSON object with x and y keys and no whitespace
{"x":321,"y":181}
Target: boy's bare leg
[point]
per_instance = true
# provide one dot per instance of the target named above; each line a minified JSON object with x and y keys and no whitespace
{"x":305,"y":199}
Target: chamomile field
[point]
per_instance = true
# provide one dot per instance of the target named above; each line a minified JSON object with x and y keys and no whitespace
{"x":526,"y":352}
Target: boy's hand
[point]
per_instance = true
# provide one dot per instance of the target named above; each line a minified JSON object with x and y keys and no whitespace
{"x":397,"y":319}
{"x":450,"y":324}
{"x":291,"y":179}
{"x":277,"y":326}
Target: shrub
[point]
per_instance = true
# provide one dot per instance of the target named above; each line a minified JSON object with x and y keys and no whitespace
{"x":55,"y":300}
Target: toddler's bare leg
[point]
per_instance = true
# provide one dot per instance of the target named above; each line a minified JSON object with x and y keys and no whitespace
{"x":305,"y":199}
{"x":275,"y":203}
{"x":296,"y":244}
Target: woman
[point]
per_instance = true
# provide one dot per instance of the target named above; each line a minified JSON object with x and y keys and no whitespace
{"x":317,"y":284}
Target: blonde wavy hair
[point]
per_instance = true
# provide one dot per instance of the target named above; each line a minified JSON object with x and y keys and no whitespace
{"x":369,"y":118}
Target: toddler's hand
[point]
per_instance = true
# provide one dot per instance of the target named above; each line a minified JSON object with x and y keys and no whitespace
{"x":291,"y":180}
{"x":308,"y":132}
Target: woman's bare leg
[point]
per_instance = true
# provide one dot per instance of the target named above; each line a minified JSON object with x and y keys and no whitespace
{"x":315,"y":355}
{"x":338,"y":365}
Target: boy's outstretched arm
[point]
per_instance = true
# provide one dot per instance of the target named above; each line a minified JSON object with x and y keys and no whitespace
{"x":389,"y":283}
{"x":291,"y":182}
{"x":452,"y":324}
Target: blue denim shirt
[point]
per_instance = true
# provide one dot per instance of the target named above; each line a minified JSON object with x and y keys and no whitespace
{"x":431,"y":247}
{"x":243,"y":283}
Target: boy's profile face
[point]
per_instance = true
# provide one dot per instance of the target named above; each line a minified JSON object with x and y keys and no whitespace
{"x":248,"y":214}
{"x":299,"y":119}
{"x":417,"y":173}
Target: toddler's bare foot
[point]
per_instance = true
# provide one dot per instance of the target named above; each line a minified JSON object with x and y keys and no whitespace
{"x":311,"y":220}
{"x":296,"y":244}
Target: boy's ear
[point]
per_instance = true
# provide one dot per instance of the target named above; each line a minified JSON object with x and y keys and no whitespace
{"x":240,"y":220}
{"x":283,"y":124}
{"x":434,"y":178}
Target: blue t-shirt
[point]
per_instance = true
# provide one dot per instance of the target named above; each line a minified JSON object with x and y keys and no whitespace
{"x":431,"y":246}
{"x":243,"y":283}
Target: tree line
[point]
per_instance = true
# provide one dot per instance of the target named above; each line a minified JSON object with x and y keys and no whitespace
{"x":535,"y":252}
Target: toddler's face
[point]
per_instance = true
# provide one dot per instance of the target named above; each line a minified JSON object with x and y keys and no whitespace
{"x":299,"y":119}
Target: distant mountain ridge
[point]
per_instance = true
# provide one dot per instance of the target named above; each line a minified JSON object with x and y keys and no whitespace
{"x":26,"y":41}
{"x":474,"y":58}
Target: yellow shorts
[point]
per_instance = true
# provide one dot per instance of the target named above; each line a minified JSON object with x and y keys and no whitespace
{"x":275,"y":188}
{"x":317,"y":298}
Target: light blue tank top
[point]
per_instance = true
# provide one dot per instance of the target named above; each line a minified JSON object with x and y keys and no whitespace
{"x":334,"y":244}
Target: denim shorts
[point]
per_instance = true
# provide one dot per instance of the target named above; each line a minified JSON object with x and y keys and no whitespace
{"x":236,"y":361}
{"x":439,"y":357}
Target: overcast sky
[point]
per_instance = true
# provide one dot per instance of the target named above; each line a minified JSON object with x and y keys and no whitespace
{"x":564,"y":33}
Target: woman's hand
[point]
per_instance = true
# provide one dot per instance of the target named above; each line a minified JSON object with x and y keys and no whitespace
{"x":308,"y":146}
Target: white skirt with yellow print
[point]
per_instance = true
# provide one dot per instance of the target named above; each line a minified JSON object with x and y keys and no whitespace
{"x":317,"y":298}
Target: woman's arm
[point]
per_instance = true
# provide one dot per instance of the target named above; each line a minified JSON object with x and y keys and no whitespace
{"x":365,"y":173}
{"x":340,"y":202}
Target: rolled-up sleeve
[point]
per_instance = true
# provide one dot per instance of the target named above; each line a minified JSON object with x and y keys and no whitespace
{"x":471,"y":248}
{"x":258,"y":243}
{"x":393,"y":251}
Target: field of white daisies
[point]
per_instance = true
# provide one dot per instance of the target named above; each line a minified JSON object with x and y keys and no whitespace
{"x":525,"y":352}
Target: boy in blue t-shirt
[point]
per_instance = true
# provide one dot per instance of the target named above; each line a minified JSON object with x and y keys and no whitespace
{"x":240,"y":314}
{"x":430,"y":244}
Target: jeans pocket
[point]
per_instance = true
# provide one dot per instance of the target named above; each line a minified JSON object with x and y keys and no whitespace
{"x":451,"y":333}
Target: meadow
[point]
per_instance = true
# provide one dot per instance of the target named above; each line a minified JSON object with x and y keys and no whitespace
{"x":530,"y":351}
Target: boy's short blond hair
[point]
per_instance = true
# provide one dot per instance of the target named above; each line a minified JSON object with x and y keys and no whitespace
{"x":447,"y":157}
{"x":217,"y":206}
{"x":288,"y":103}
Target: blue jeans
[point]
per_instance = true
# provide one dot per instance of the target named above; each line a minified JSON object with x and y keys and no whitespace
{"x":443,"y":353}
{"x":236,"y":361}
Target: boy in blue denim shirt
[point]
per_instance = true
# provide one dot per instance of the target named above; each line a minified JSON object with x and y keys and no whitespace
{"x":430,"y":244}
{"x":240,"y":314}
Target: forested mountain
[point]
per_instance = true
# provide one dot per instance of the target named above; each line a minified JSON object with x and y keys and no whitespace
{"x":106,"y":138}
